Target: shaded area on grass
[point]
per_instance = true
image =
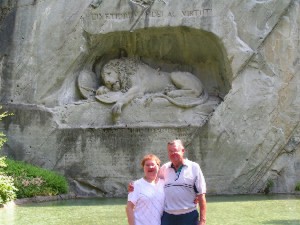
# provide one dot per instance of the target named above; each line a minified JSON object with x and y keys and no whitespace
{"x":281,"y":222}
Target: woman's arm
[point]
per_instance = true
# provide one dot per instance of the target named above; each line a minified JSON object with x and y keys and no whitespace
{"x":130,"y":213}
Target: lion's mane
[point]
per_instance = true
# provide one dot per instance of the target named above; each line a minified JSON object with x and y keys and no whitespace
{"x":125,"y":68}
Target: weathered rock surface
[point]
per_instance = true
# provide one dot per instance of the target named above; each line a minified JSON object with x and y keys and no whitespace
{"x":245,"y":53}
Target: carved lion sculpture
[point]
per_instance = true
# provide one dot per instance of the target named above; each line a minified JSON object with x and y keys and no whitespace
{"x":127,"y":78}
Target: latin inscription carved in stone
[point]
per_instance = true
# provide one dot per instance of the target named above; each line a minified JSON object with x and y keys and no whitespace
{"x":119,"y":149}
{"x":151,"y":13}
{"x":101,"y":20}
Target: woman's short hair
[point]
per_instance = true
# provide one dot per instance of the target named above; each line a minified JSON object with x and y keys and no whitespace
{"x":150,"y":157}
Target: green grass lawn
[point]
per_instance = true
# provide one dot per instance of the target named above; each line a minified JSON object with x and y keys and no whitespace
{"x":252,"y":210}
{"x":221,"y":210}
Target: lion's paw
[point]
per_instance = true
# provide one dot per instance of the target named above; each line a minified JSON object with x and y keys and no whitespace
{"x":117,"y":109}
{"x":102,"y":90}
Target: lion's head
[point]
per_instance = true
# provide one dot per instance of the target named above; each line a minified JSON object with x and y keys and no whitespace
{"x":117,"y":73}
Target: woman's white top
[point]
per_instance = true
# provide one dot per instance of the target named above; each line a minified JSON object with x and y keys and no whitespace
{"x":149,"y":202}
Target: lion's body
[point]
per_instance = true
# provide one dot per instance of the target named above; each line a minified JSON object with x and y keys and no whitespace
{"x":135,"y":79}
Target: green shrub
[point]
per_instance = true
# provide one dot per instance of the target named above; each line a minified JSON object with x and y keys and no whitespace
{"x":7,"y":189}
{"x":34,"y":181}
{"x":24,"y":180}
{"x":3,"y":136}
{"x":2,"y":162}
{"x":297,"y":188}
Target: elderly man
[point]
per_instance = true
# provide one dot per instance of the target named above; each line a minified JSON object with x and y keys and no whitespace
{"x":184,"y":182}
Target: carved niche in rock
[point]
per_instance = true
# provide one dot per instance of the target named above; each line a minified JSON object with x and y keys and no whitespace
{"x":125,"y":79}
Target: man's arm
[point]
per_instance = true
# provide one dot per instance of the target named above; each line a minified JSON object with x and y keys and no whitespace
{"x":202,"y":204}
{"x":129,"y":212}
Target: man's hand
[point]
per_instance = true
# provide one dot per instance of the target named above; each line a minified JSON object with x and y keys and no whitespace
{"x":130,"y":187}
{"x":196,"y":200}
{"x":202,"y":222}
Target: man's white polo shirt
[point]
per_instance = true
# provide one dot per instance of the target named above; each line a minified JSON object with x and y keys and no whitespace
{"x":182,"y":187}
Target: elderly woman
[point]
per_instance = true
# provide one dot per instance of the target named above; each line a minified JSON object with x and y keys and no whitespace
{"x":146,"y":203}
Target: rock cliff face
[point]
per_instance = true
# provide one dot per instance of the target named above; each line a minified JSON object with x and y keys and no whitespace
{"x":245,"y":53}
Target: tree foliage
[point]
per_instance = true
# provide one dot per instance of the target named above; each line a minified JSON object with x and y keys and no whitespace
{"x":3,"y":138}
{"x":7,"y":187}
